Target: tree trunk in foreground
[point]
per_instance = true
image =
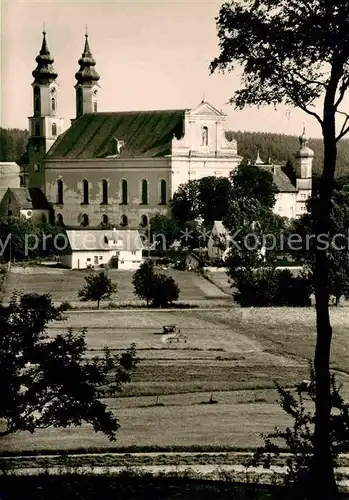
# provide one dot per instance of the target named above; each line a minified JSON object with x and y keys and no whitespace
{"x":322,"y":480}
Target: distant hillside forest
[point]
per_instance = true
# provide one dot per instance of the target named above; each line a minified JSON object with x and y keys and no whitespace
{"x":12,"y":143}
{"x":280,"y":148}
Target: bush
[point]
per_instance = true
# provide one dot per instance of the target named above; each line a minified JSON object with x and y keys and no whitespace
{"x":66,"y":306}
{"x":298,"y":438}
{"x":158,"y":290}
{"x":164,"y":290}
{"x":270,"y":287}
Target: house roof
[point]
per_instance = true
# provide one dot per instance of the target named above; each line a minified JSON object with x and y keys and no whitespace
{"x":221,"y":229}
{"x":30,"y":198}
{"x":99,"y":239}
{"x":281,"y":181}
{"x":145,"y":134}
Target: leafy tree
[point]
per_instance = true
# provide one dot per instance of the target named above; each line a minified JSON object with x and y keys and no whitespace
{"x":296,"y":53}
{"x":267,"y":287}
{"x":206,"y":199}
{"x":164,"y":290}
{"x":157,"y":289}
{"x":164,"y":226}
{"x":337,"y":240}
{"x":213,"y":198}
{"x":192,"y":235}
{"x":98,"y":287}
{"x":185,"y":203}
{"x":49,"y":382}
{"x":20,"y":238}
{"x":250,"y":218}
{"x":253,"y":182}
{"x":143,"y":280}
{"x":12,"y":143}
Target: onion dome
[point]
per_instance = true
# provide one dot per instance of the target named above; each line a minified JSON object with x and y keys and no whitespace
{"x":304,"y":151}
{"x":44,"y":72}
{"x":87,"y":73}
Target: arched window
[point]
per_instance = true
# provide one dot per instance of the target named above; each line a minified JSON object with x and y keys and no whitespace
{"x":144,"y":221}
{"x":124,"y":221}
{"x":105,"y":220}
{"x":37,"y":129}
{"x":205,"y":136}
{"x":59,"y":220}
{"x":144,"y":192}
{"x":104,"y":192}
{"x":36,"y":167}
{"x":36,"y":100}
{"x":21,"y":181}
{"x":53,"y":104}
{"x":60,"y":192}
{"x":54,"y":129}
{"x":163,"y":192}
{"x":84,"y":192}
{"x":84,"y":220}
{"x":124,"y":197}
{"x":95,"y":106}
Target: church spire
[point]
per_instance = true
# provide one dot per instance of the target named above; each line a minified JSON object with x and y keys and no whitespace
{"x":87,"y":73}
{"x":87,"y":82}
{"x":44,"y":71}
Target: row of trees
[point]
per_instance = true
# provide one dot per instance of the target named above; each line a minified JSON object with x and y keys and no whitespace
{"x":23,"y":239}
{"x":13,"y":142}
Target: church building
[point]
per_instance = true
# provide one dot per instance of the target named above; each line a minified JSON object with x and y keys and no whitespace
{"x":117,"y":168}
{"x":121,"y":168}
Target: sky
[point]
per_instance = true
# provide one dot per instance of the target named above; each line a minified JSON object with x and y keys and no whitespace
{"x":149,"y":54}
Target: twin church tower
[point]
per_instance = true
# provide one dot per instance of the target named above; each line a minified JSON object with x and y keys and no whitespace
{"x":123,"y":167}
{"x":46,"y":125}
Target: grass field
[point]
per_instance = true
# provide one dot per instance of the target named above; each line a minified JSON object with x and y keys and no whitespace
{"x":64,"y":284}
{"x":232,"y":354}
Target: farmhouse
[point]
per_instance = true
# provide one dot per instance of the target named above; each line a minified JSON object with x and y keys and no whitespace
{"x":29,"y":203}
{"x":93,"y":248}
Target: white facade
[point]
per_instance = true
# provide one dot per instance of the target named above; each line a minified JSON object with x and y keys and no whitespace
{"x":285,"y":205}
{"x":82,"y":259}
{"x":204,"y":149}
{"x":130,"y":259}
{"x":96,"y":248}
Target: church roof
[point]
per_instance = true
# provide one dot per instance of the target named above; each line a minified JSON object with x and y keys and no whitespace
{"x":142,"y":134}
{"x":281,"y":181}
{"x":30,"y":198}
